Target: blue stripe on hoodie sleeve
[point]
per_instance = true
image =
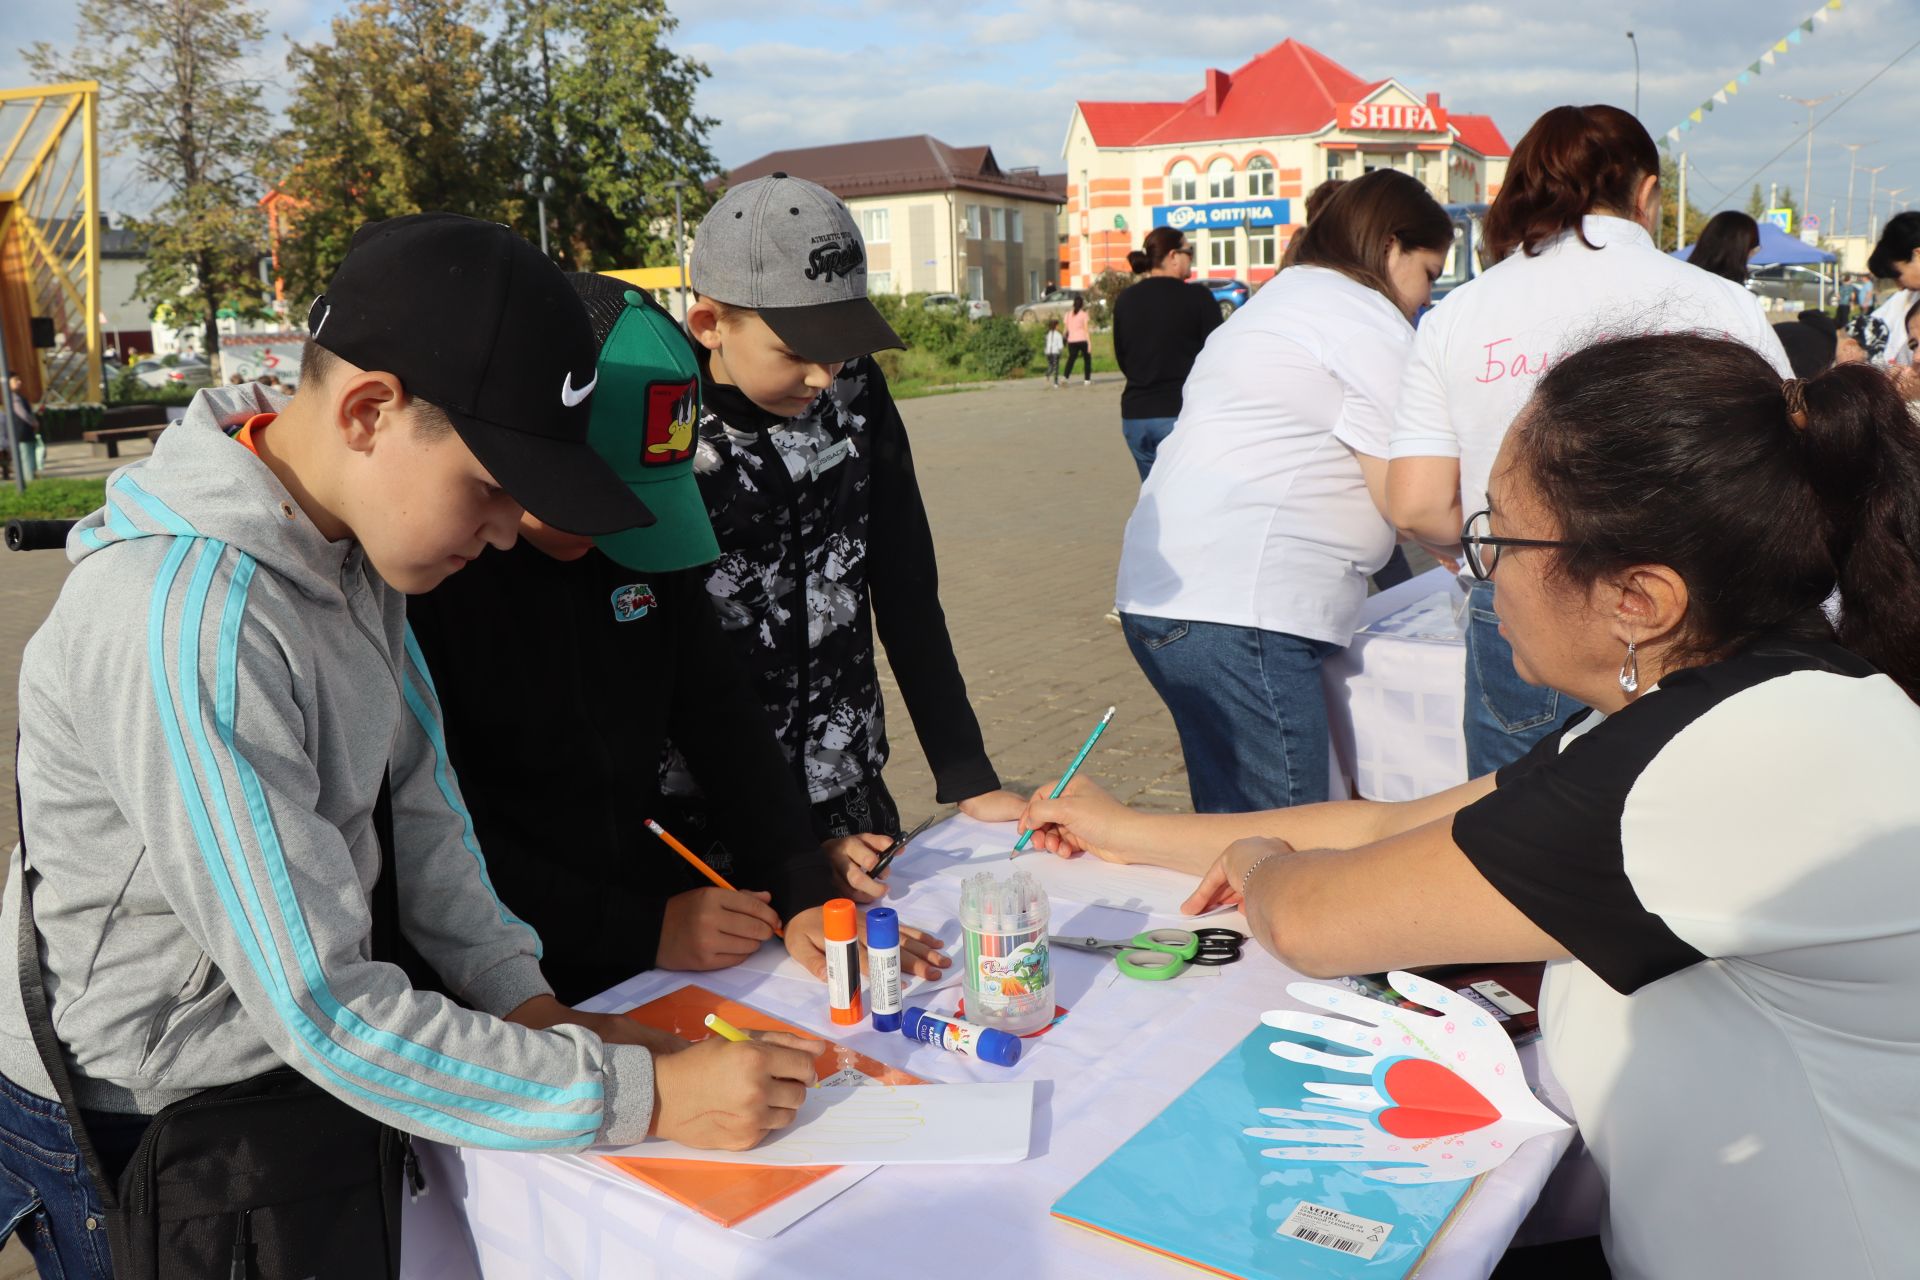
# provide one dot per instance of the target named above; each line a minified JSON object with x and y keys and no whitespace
{"x":313,"y":1042}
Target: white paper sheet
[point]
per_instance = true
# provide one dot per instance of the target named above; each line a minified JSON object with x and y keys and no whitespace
{"x":886,"y":1124}
{"x":1155,"y":891}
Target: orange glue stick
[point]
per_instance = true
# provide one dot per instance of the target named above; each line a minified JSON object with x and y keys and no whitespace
{"x":843,"y":962}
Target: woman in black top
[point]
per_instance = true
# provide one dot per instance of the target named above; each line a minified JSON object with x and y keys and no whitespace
{"x":1728,"y":240}
{"x":1159,"y":326}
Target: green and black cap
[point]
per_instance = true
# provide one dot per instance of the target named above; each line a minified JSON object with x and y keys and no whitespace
{"x":646,"y":413}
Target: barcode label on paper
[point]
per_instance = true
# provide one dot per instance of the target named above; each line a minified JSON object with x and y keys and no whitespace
{"x":1508,"y":1002}
{"x":1330,"y":1229}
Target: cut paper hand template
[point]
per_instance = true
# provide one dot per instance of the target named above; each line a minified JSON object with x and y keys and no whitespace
{"x":1446,"y":1100}
{"x":886,"y":1124}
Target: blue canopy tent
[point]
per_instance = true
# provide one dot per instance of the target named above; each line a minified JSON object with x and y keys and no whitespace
{"x":1777,"y":248}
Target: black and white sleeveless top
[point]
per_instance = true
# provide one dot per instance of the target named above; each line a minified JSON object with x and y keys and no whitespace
{"x":1733,"y":862}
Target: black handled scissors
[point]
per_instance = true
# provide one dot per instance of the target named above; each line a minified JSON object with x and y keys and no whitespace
{"x":899,"y":842}
{"x":1218,"y":946}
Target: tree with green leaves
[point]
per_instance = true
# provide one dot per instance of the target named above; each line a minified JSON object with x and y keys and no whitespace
{"x":1757,"y":203}
{"x":609,"y":115}
{"x":395,"y":113}
{"x":1670,"y":206}
{"x":176,"y":98}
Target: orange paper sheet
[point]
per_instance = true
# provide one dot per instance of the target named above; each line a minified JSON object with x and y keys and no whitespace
{"x":731,"y":1193}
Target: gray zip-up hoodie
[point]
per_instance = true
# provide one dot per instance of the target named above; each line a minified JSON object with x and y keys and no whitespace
{"x":205,"y":719}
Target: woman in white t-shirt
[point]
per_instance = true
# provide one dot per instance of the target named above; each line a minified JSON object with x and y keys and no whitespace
{"x":1570,"y":230}
{"x":1246,"y":557}
{"x":1721,"y":861}
{"x":1883,"y":332}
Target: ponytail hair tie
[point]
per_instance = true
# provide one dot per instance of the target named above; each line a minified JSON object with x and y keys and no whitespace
{"x":1795,"y":391}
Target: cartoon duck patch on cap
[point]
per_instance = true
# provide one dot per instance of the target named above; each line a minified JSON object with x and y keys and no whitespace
{"x":672,"y":408}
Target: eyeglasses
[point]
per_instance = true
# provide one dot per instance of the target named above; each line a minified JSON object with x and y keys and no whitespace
{"x":1474,"y":536}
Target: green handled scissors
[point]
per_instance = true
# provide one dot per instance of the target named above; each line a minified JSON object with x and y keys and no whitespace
{"x":1159,"y":954}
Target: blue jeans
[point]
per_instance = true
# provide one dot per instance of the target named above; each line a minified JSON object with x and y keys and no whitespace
{"x":1249,"y":707}
{"x":1505,"y":715}
{"x":45,"y":1193}
{"x":1143,"y":439}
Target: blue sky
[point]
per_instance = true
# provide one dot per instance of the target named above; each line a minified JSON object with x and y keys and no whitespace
{"x":1006,"y":72}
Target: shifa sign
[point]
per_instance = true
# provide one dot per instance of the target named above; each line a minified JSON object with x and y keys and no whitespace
{"x":1232,"y":213}
{"x":1393,"y":117}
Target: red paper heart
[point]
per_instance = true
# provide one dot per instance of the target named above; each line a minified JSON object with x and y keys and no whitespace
{"x":1431,"y":1101}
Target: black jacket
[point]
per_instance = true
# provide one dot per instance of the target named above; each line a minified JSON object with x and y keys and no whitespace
{"x":557,"y":713}
{"x":822,"y":532}
{"x":1159,"y":326}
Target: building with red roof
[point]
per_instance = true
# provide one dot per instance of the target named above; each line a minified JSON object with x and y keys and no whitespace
{"x":1232,"y":164}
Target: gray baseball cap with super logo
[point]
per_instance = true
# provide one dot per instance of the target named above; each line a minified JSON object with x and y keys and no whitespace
{"x":790,"y":250}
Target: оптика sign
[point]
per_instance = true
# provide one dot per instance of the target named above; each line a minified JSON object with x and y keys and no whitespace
{"x":1225,"y":213}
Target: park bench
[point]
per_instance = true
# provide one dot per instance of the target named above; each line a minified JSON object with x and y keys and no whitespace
{"x":109,"y":438}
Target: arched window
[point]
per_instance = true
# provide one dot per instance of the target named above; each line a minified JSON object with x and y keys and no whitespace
{"x":1183,"y":183}
{"x":1220,"y":179}
{"x":1259,"y":176}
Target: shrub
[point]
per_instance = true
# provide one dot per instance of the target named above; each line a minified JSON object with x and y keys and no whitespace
{"x":999,"y":346}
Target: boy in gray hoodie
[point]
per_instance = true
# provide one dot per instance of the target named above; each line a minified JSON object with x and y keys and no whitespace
{"x":208,"y":713}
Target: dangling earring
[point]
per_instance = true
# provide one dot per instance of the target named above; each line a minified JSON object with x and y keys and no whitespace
{"x":1630,"y":671}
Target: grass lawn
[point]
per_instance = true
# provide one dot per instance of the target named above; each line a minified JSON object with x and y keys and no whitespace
{"x":60,"y":499}
{"x":916,"y":372}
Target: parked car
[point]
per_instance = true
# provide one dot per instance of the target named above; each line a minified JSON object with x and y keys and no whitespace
{"x":972,"y":308}
{"x":1464,"y":258}
{"x":1057,"y":304}
{"x":188,"y":371}
{"x":1230,"y":294}
{"x":1796,"y":284}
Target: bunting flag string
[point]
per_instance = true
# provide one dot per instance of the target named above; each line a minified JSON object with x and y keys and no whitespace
{"x":1767,"y":59}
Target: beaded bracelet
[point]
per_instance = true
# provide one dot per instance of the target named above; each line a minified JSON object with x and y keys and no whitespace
{"x":1246,"y":881}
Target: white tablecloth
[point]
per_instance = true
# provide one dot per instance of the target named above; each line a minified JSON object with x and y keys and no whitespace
{"x":1396,"y":694}
{"x":1122,"y":1054}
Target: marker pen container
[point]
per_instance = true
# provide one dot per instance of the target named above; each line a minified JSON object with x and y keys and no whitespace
{"x":1008,"y":976}
{"x":955,"y":1036}
{"x":843,"y":962}
{"x":883,"y":967}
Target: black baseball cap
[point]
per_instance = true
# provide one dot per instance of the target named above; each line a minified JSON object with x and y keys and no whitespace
{"x":476,"y":321}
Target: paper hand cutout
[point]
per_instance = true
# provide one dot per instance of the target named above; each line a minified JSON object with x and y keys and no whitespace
{"x":1447,"y":1099}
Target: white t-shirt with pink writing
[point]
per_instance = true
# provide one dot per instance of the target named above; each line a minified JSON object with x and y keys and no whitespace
{"x":1479,"y":353}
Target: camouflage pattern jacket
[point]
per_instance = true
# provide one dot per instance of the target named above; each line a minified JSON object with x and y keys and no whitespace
{"x":822,"y":531}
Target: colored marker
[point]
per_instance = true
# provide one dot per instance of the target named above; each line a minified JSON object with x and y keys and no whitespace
{"x":1067,"y":777}
{"x":843,"y":962}
{"x":698,"y":864}
{"x":721,"y":1027}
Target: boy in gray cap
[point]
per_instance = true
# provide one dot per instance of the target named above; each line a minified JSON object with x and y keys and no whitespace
{"x":803,"y":462}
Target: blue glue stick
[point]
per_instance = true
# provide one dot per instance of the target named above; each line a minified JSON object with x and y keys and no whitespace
{"x":984,"y":1043}
{"x":883,"y":967}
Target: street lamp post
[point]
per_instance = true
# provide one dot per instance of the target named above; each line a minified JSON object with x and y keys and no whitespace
{"x":680,"y":243}
{"x":1636,"y":73}
{"x":1853,"y":164}
{"x":1873,"y":195}
{"x":1806,"y":187}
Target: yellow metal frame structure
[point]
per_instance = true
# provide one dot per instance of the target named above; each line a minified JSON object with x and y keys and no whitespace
{"x":50,"y":236}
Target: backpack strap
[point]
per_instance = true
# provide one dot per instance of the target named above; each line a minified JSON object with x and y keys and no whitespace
{"x":33,"y":992}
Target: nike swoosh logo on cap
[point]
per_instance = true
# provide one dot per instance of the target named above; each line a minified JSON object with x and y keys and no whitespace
{"x":569,"y":397}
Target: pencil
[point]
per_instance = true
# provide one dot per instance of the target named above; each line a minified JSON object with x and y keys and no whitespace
{"x":721,"y":1027}
{"x":1066,"y":777}
{"x":698,"y":865}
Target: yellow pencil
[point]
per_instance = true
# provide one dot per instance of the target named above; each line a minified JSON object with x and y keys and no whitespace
{"x":698,"y":864}
{"x":720,"y":1026}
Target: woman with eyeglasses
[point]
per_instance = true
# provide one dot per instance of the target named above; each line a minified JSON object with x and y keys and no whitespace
{"x":1246,"y":558}
{"x":1720,"y":861}
{"x":1159,"y":326}
{"x":1575,"y":260}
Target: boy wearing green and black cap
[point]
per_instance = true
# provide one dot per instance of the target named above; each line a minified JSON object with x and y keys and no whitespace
{"x":563,"y":665}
